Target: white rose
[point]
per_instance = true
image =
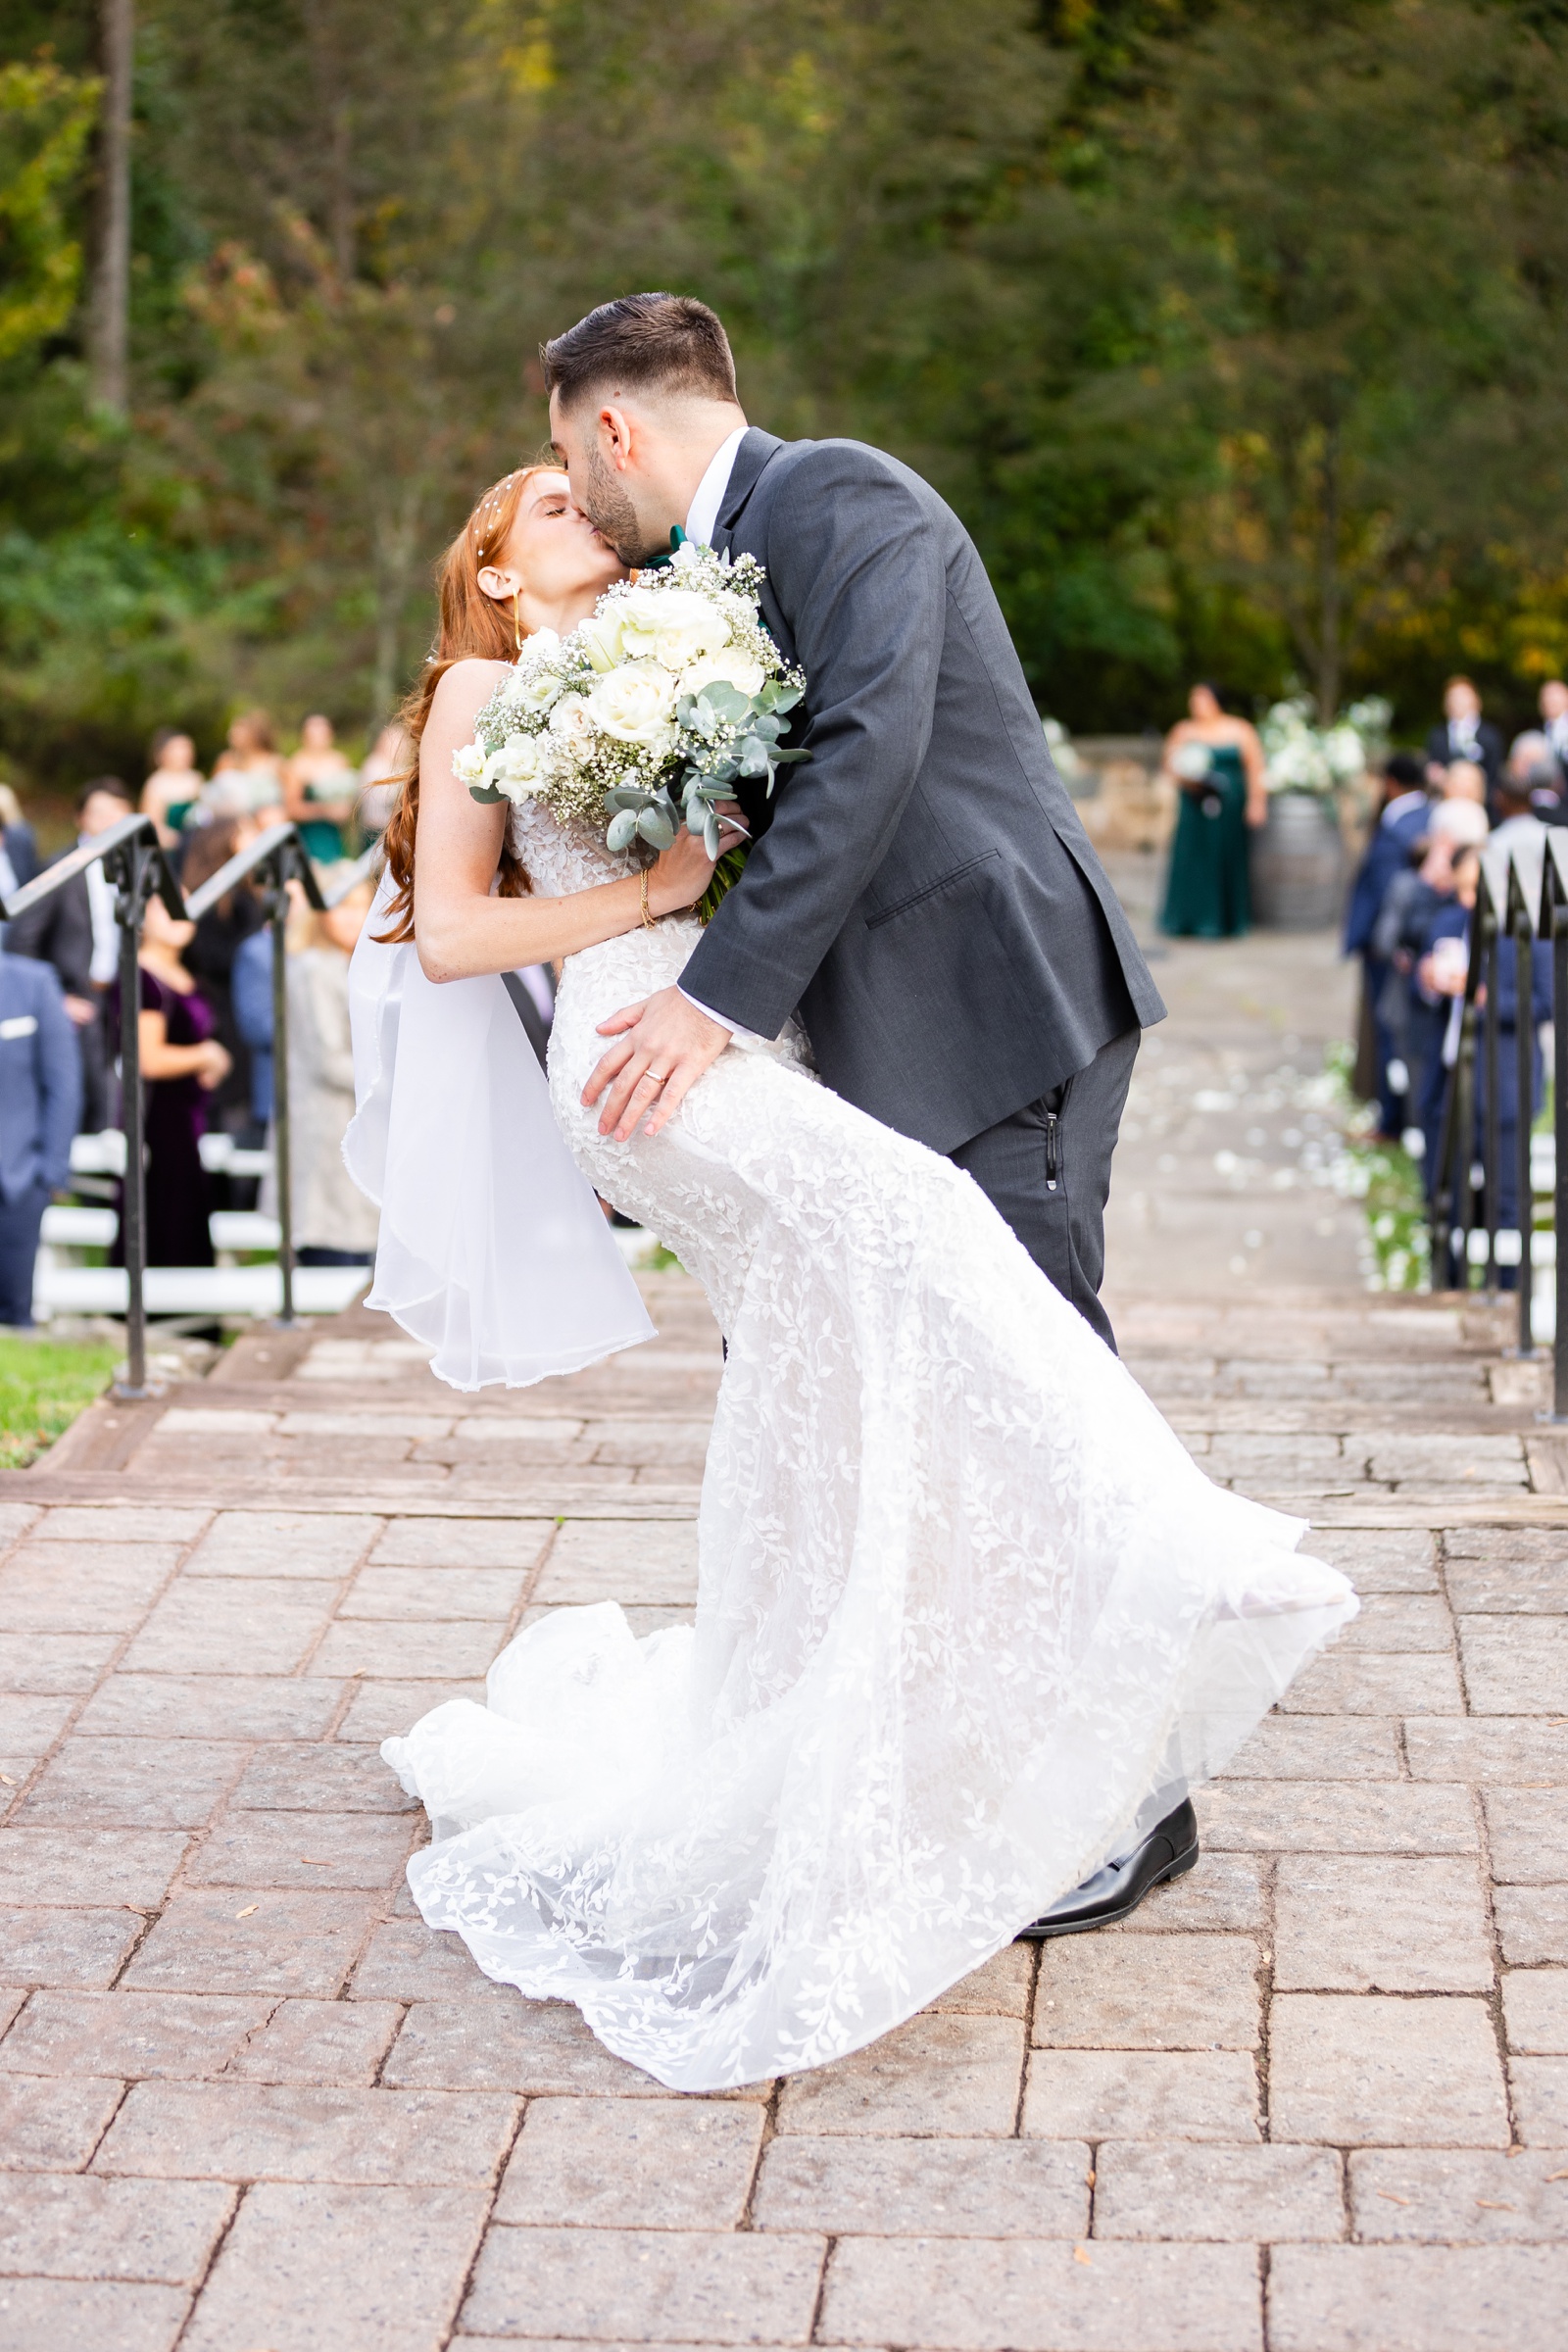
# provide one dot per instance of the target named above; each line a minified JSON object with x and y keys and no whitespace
{"x":674,"y":627}
{"x":635,"y":704}
{"x":519,"y":768}
{"x":736,"y":669}
{"x":571,"y":723}
{"x":468,"y":764}
{"x":534,"y":691}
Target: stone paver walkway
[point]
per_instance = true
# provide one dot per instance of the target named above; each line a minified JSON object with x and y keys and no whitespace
{"x":1314,"y":2098}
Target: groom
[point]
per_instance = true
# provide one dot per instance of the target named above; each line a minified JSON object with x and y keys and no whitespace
{"x":922,"y":892}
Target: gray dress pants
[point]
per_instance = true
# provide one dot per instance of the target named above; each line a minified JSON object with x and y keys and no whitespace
{"x":1046,"y":1169}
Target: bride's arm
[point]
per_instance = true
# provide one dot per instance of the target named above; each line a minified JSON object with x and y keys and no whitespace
{"x":460,"y":929}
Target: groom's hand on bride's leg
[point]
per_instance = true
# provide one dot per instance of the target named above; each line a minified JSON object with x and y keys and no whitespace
{"x":663,"y":1048}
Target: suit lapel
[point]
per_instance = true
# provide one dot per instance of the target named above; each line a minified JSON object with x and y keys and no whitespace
{"x":755,"y":454}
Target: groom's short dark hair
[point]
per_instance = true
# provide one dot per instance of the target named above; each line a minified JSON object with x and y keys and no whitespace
{"x":643,"y":342}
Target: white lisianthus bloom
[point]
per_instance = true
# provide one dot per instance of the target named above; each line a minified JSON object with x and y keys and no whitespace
{"x":636,"y":704}
{"x":468,"y":763}
{"x":519,"y":768}
{"x":571,"y":723}
{"x":736,"y":669}
{"x":674,"y":627}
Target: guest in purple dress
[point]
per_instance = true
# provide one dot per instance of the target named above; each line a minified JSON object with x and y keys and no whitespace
{"x":181,"y":1063}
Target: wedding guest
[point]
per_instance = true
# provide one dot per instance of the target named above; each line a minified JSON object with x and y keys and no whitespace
{"x":320,"y":789}
{"x":251,"y":992}
{"x":1217,"y":763}
{"x":1443,"y":971}
{"x":1552,"y":703}
{"x":19,"y":845}
{"x":74,"y":930}
{"x":1464,"y":734}
{"x":209,"y":957}
{"x":250,"y":764}
{"x":1533,"y":771}
{"x":40,"y":1103}
{"x":1464,"y":780}
{"x":1520,"y":825}
{"x":387,"y":760}
{"x":334,"y":1224}
{"x":1412,"y":1020}
{"x":182,"y":1062}
{"x":1401,"y":822}
{"x":170,"y":793}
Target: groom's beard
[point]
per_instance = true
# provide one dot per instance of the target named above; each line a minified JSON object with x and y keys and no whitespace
{"x":613,"y":514}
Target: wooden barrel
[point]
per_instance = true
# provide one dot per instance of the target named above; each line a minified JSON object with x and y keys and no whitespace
{"x":1297,"y":864}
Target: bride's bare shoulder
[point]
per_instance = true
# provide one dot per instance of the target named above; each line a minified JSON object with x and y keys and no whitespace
{"x":467,"y":685}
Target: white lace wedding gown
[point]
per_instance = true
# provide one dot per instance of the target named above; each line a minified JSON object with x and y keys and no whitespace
{"x":968,"y":1619}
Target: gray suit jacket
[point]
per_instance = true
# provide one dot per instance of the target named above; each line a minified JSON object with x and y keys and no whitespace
{"x":923,"y":893}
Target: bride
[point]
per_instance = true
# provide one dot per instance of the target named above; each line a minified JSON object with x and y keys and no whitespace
{"x":970,"y":1622}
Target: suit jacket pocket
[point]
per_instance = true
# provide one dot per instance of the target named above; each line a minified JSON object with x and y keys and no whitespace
{"x":930,"y":889}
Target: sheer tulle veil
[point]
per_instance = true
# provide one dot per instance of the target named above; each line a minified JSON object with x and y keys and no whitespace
{"x":493,"y":1250}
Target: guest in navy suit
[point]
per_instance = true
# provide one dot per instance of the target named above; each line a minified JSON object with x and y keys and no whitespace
{"x":1403,"y":822}
{"x":40,"y":1101}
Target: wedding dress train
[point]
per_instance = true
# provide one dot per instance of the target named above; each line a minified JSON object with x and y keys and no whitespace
{"x":969,"y":1619}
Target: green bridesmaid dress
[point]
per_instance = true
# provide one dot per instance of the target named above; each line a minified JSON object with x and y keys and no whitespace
{"x":1205,"y":891}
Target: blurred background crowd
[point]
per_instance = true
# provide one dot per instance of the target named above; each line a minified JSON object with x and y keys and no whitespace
{"x":207,"y":1003}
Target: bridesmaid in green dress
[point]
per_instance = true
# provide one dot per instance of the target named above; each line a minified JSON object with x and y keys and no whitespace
{"x":1217,"y":764}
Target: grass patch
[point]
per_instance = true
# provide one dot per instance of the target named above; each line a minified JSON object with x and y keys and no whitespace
{"x":45,"y":1384}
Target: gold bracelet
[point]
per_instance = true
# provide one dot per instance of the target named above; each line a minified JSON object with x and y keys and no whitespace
{"x":650,"y":922}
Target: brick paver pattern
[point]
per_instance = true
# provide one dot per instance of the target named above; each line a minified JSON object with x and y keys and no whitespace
{"x":1313,"y":2098}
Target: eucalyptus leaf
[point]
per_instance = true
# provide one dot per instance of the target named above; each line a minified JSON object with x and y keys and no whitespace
{"x":623,"y":831}
{"x":753,"y":758}
{"x":485,"y":794}
{"x":710,"y":835}
{"x":656,"y":830}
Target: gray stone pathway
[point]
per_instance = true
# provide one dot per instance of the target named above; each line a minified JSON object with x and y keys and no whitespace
{"x":1314,"y":2098}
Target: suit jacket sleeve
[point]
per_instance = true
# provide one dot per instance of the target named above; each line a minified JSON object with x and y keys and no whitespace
{"x":59,"y":1065}
{"x":856,"y":566}
{"x":58,"y":931}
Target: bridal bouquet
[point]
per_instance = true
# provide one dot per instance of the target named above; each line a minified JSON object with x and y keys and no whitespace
{"x":652,"y":709}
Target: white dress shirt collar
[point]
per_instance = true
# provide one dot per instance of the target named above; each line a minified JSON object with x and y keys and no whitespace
{"x":702,"y":520}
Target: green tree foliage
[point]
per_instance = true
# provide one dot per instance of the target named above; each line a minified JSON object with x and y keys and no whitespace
{"x":1236,"y":331}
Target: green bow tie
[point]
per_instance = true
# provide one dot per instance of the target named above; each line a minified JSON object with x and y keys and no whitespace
{"x":678,"y":539}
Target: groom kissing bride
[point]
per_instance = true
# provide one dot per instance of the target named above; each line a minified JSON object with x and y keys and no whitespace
{"x":970,"y":1624}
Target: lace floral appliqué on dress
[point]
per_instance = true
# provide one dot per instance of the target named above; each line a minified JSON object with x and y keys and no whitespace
{"x":968,"y":1619}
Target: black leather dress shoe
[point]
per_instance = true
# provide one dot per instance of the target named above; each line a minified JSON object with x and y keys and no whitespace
{"x":1116,"y":1889}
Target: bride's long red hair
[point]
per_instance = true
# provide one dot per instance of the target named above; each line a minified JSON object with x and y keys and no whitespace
{"x":471,"y":624}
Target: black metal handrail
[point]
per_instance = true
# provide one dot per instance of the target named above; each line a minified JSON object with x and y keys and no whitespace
{"x":135,"y":863}
{"x":1521,"y":896}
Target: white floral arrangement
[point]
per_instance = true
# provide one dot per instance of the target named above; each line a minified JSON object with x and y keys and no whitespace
{"x":652,"y":708}
{"x":1303,"y":756}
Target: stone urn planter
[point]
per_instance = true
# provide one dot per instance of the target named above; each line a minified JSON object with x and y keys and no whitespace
{"x":1298,"y":863}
